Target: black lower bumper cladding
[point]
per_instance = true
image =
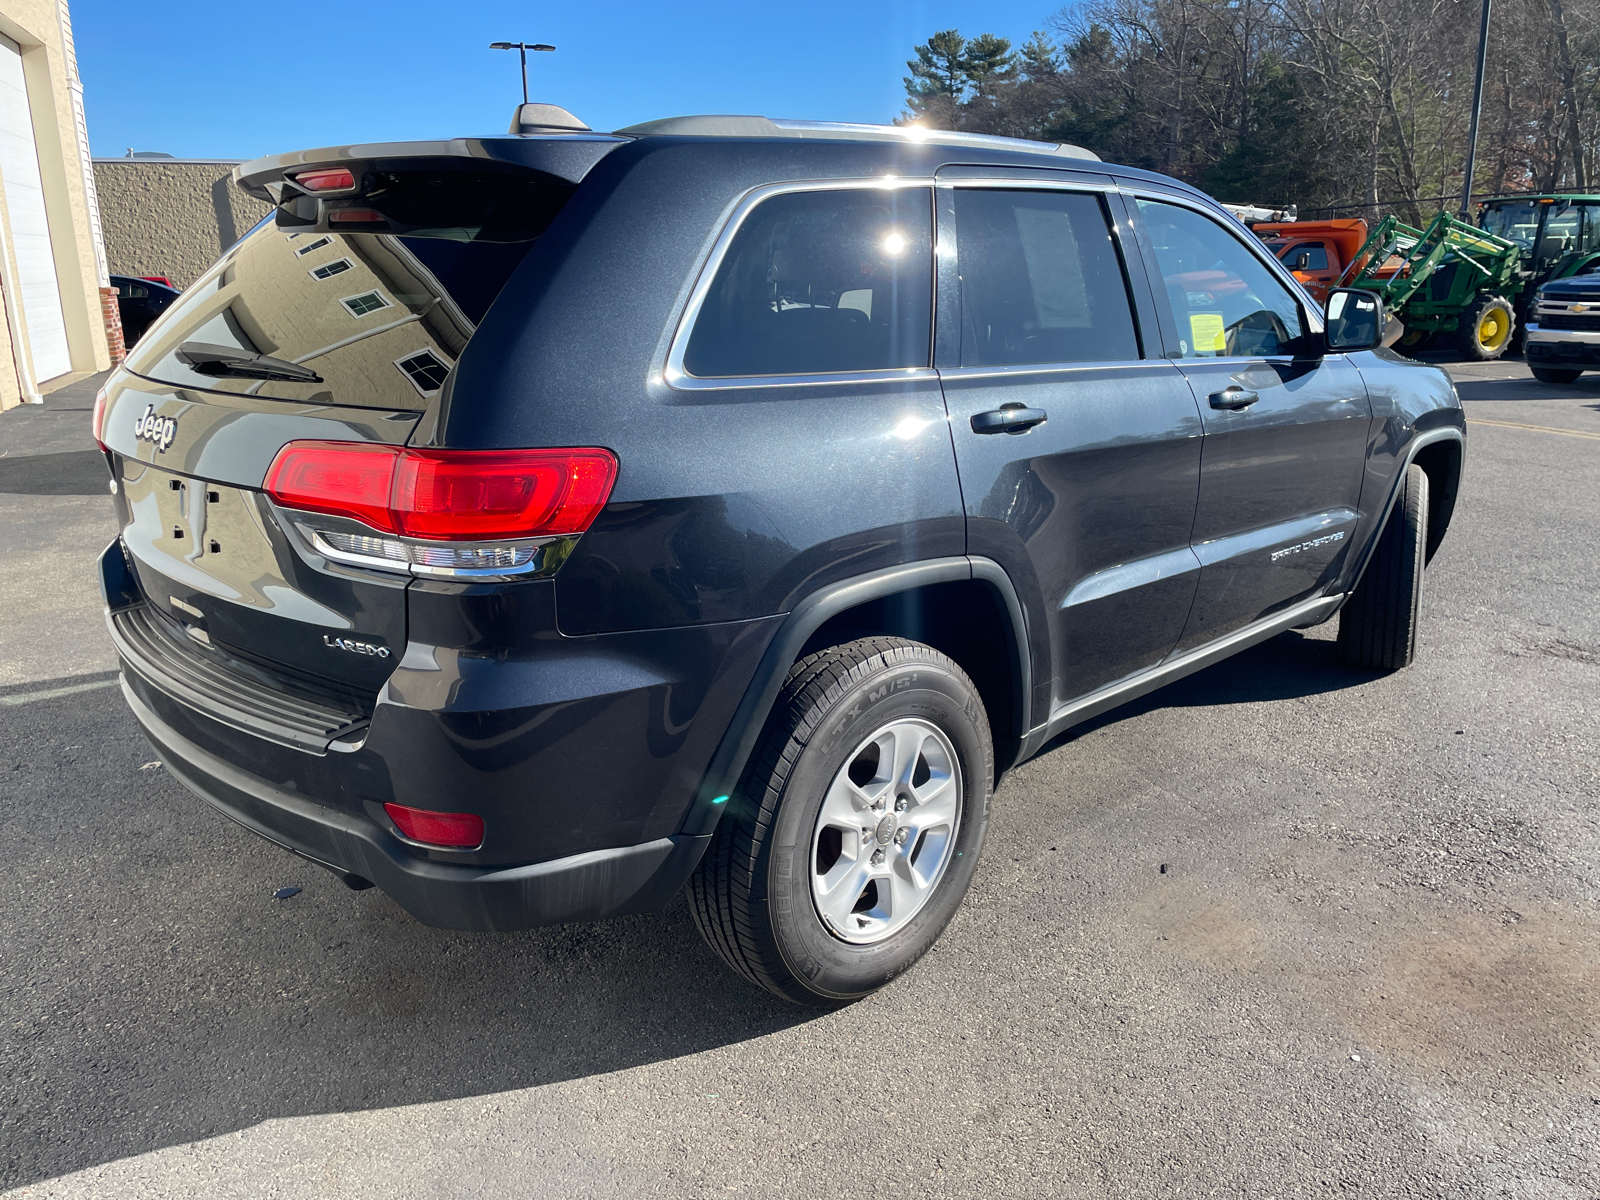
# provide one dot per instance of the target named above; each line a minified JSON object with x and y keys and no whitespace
{"x":583,"y":887}
{"x":1586,"y":354}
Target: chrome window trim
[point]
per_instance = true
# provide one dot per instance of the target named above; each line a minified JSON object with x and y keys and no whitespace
{"x":1027,"y":182}
{"x":679,"y":379}
{"x":1308,"y":307}
{"x":1002,"y":370}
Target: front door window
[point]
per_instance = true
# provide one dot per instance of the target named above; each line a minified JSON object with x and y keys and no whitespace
{"x":1225,"y":302}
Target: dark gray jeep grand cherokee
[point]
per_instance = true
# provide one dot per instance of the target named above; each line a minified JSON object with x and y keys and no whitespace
{"x":532,"y":525}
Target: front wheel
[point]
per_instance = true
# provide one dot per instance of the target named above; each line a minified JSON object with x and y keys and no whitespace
{"x":854,"y":834}
{"x":1554,"y":374}
{"x":1486,"y":328}
{"x":1378,"y":624}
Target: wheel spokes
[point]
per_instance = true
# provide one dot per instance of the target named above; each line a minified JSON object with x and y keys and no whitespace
{"x":846,"y":806}
{"x":885,"y":831}
{"x":840,"y":889}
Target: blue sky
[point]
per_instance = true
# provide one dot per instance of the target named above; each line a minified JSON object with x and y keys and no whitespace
{"x":210,"y":79}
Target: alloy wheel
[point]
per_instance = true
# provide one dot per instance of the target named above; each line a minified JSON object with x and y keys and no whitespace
{"x":886,"y":831}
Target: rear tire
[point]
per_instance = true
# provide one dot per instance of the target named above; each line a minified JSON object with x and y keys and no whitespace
{"x":1554,"y":374}
{"x":1378,"y":624}
{"x":770,"y":895}
{"x":1486,"y":328}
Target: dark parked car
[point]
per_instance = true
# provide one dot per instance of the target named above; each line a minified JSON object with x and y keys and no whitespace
{"x":533,"y":525}
{"x":140,"y":302}
{"x":1563,"y":339}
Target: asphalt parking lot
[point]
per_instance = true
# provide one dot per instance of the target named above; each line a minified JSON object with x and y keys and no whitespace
{"x":1280,"y":930}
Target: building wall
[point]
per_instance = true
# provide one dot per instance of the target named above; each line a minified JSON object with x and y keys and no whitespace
{"x":43,"y":30}
{"x":171,"y":217}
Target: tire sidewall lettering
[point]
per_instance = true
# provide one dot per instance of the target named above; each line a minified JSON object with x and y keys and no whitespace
{"x":830,"y":966}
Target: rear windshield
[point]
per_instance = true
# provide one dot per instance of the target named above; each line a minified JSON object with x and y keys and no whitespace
{"x":379,"y":318}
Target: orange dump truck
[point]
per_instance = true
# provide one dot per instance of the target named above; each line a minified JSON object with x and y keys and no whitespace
{"x":1316,"y":251}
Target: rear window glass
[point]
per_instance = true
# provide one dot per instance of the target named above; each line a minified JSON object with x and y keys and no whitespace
{"x":380,"y":317}
{"x":819,"y":283}
{"x":1041,"y":281}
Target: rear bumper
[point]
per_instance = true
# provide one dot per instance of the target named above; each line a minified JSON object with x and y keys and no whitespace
{"x":582,"y":887}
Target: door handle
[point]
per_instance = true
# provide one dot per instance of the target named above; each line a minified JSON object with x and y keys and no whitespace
{"x":1008,"y":418}
{"x":1234,"y":399}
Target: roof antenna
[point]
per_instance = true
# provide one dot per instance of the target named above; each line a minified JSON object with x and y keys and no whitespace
{"x":537,"y":118}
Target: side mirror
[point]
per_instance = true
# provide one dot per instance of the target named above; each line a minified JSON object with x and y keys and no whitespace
{"x":1355,"y":319}
{"x":1302,"y":261}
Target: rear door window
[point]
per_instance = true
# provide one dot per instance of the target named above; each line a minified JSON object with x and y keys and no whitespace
{"x":1041,"y":280}
{"x":819,"y":283}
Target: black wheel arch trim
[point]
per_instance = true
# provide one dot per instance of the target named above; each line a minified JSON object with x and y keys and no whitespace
{"x":1419,"y":443}
{"x":728,"y":763}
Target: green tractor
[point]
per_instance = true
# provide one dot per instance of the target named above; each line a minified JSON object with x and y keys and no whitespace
{"x":1449,"y":278}
{"x":1557,"y":235}
{"x":1476,"y":284}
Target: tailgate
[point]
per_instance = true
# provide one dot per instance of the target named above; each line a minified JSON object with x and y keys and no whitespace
{"x":212,"y":555}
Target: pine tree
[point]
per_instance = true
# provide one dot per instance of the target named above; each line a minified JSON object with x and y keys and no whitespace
{"x":938,"y":81}
{"x":988,"y":63}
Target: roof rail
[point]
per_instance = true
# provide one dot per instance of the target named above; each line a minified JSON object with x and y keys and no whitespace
{"x":739,"y":126}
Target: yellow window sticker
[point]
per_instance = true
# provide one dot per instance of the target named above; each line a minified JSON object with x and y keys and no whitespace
{"x":1206,"y":329}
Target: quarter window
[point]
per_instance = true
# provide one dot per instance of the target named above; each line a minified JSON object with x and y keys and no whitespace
{"x":821,"y":282}
{"x":1224,"y":301}
{"x":1041,"y":281}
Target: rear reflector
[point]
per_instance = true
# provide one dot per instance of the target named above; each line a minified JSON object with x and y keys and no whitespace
{"x":458,"y":831}
{"x":99,"y":419}
{"x":356,"y":216}
{"x":446,"y":495}
{"x":333,"y":180}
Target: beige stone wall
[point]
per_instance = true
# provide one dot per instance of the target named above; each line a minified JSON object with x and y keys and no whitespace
{"x":43,"y":31}
{"x":170,"y":217}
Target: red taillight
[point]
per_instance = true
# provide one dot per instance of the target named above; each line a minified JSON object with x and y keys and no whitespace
{"x":345,"y":479}
{"x":447,"y":495}
{"x":483,"y":495}
{"x":458,"y":831}
{"x":98,"y":420}
{"x":332,"y":180}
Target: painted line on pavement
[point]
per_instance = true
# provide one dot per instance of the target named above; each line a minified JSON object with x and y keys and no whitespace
{"x":52,"y":693}
{"x":1577,"y":433}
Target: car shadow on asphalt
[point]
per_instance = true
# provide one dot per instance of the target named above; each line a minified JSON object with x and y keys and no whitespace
{"x":1512,"y":391}
{"x":156,"y":993}
{"x":1285,"y":667}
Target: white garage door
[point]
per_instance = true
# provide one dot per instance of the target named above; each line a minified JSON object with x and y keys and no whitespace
{"x":30,"y":233}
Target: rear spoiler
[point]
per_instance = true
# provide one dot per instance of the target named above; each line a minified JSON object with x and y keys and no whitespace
{"x":565,"y":157}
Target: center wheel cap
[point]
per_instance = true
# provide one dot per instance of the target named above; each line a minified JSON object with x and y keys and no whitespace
{"x":885,"y":830}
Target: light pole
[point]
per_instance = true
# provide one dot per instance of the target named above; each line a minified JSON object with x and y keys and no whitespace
{"x":1477,"y":104}
{"x":522,"y":49}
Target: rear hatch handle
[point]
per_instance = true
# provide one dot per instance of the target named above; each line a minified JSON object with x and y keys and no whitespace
{"x":235,"y":363}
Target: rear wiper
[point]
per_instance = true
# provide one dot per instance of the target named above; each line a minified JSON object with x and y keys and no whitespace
{"x":234,"y":363}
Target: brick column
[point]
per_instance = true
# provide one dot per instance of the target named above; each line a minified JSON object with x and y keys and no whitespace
{"x":113,"y":321}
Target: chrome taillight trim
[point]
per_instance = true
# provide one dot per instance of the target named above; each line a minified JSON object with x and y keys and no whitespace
{"x":354,"y":544}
